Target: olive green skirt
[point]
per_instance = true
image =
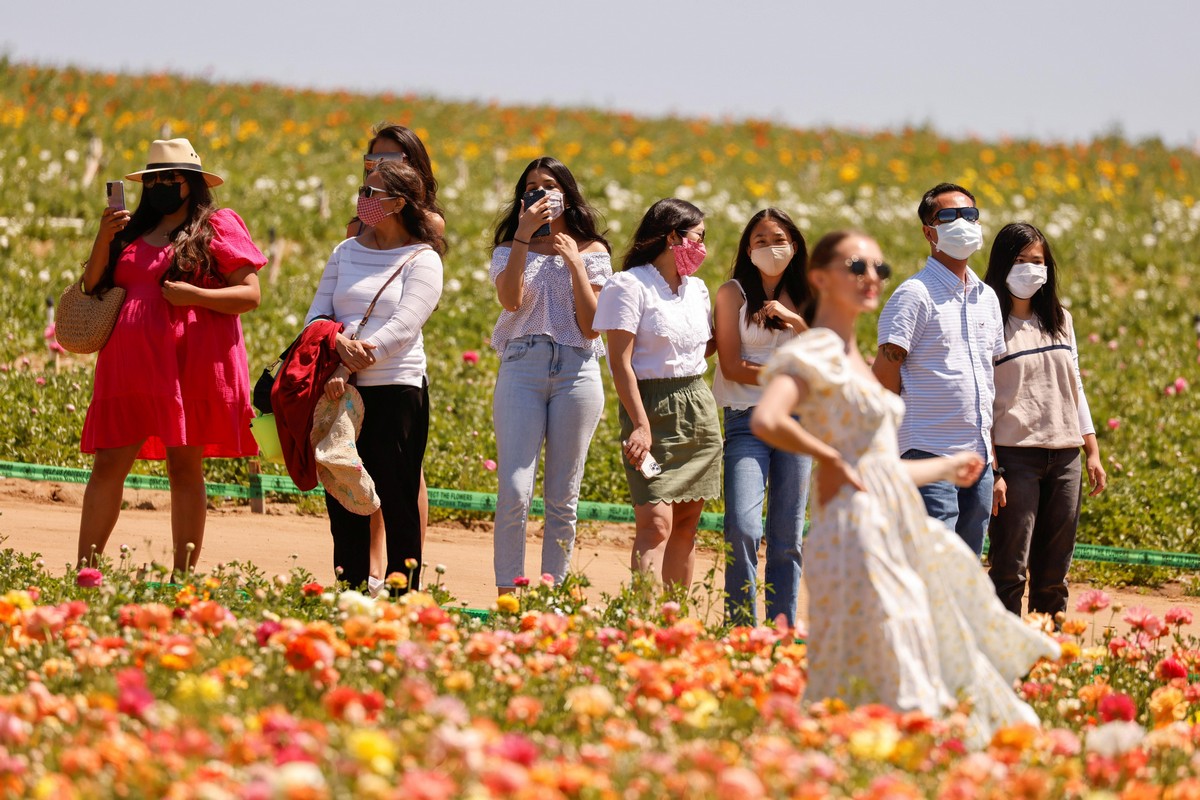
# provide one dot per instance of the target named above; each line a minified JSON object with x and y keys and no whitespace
{"x":685,"y":440}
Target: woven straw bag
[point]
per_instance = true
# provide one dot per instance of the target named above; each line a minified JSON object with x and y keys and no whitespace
{"x":83,"y":322}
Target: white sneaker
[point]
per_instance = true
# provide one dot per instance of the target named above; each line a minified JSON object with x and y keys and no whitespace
{"x":374,"y":585}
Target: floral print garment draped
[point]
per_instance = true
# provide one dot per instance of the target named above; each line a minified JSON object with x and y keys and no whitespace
{"x":900,"y":610}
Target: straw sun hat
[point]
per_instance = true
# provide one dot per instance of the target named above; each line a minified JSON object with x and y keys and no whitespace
{"x":169,"y":154}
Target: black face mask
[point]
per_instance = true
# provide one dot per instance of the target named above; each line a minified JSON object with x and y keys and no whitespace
{"x":164,"y":197}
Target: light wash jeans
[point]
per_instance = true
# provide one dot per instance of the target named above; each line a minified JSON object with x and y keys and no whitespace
{"x":751,"y":466}
{"x":552,"y":393}
{"x":966,"y":511}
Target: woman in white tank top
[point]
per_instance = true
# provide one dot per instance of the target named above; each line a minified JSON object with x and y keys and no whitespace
{"x":757,"y":311}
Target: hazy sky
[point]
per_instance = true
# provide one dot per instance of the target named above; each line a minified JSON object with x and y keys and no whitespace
{"x":1049,"y":69}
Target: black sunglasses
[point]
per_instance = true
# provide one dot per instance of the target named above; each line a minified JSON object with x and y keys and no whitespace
{"x":858,"y":268}
{"x":165,"y":176}
{"x":371,"y":191}
{"x":970,"y":214}
{"x":684,"y":233}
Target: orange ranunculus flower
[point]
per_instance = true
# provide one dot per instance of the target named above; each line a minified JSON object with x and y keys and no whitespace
{"x":178,"y":653}
{"x":1167,"y":705}
{"x":210,"y":615}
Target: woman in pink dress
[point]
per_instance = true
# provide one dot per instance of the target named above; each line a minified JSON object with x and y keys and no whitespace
{"x":172,"y":381}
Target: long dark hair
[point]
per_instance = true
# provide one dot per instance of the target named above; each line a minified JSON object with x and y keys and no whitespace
{"x":191,"y":260}
{"x":415,"y":155}
{"x":793,"y":280}
{"x":401,"y":180}
{"x":581,"y":219}
{"x":1006,"y":248}
{"x":650,"y":240}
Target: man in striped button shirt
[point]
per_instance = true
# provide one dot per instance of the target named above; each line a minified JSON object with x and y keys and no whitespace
{"x":938,"y":335}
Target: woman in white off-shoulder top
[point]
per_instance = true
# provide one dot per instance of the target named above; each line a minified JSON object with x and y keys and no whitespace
{"x":549,"y":264}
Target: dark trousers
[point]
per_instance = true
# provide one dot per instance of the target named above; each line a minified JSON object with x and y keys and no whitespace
{"x":392,"y":446}
{"x":1033,"y":536}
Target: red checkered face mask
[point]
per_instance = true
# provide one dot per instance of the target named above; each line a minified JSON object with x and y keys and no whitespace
{"x":370,"y":211}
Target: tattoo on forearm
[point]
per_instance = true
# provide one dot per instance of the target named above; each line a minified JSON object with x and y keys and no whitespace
{"x":893,"y":352}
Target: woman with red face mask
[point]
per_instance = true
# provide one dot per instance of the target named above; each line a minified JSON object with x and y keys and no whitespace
{"x":395,"y":264}
{"x":656,"y":316}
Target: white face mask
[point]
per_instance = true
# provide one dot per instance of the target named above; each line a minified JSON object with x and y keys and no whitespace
{"x":959,"y":239}
{"x":773,"y":260}
{"x":554,"y":202}
{"x":1025,"y":279}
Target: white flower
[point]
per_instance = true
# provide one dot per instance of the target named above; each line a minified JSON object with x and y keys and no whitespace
{"x":45,"y":155}
{"x":453,"y":285}
{"x":264,"y":185}
{"x":1114,"y":738}
{"x":354,"y":603}
{"x":1149,"y":240}
{"x":71,"y":156}
{"x":291,"y":320}
{"x":478,"y":275}
{"x":294,"y":777}
{"x":44,"y":276}
{"x":307,"y":201}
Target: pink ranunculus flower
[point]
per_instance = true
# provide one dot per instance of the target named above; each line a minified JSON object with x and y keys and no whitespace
{"x":1113,"y":423}
{"x":1140,"y":619}
{"x":520,"y":581}
{"x":1181,"y":384}
{"x":1178,"y":615}
{"x":471,"y":357}
{"x":1171,"y":668}
{"x":89,"y":578}
{"x":1170,"y":390}
{"x":547,"y":579}
{"x":489,"y":465}
{"x":1092,"y":601}
{"x":39,"y":380}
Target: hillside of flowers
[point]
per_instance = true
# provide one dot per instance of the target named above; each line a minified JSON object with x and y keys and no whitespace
{"x":1122,"y":216}
{"x":243,"y":685}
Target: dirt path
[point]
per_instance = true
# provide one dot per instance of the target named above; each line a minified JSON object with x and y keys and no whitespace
{"x":44,"y":517}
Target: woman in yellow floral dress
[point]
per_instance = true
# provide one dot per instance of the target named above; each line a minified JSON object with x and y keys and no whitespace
{"x":900,"y":611}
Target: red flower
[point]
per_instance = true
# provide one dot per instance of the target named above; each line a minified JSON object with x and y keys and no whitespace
{"x":133,"y":698}
{"x":1117,"y":706}
{"x":1178,"y":616}
{"x":471,"y":357}
{"x":89,"y":578}
{"x":1169,"y":669}
{"x":312,"y":589}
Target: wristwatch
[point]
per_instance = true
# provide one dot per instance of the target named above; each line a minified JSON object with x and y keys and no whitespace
{"x":998,"y":471}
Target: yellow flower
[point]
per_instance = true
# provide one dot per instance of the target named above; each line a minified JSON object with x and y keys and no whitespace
{"x":508,"y":603}
{"x":372,"y":749}
{"x":460,"y":681}
{"x":700,"y":705}
{"x":877,"y":744}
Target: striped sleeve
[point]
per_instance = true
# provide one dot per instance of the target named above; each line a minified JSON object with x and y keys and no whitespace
{"x":322,"y":303}
{"x":422,"y":283}
{"x":904,"y":315}
{"x":1086,"y":426}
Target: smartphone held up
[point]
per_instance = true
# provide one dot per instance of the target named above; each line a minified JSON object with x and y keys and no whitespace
{"x":528,"y":199}
{"x":116,"y":195}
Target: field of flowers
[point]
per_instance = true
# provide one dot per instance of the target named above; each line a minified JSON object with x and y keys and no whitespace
{"x":244,"y":685}
{"x":1123,"y":217}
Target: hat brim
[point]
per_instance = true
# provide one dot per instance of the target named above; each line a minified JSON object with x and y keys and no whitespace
{"x":210,"y":179}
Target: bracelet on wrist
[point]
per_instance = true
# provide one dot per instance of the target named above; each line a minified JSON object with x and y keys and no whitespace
{"x":522,"y":241}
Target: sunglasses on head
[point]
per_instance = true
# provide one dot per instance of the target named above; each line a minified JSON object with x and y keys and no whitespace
{"x":858,"y":268}
{"x":970,"y":214}
{"x":373,"y":160}
{"x":165,"y":176}
{"x":371,"y":191}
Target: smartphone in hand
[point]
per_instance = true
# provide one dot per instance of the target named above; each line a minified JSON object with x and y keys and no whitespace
{"x":116,"y":195}
{"x":531,"y":197}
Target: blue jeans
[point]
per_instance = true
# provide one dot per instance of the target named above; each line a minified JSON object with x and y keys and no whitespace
{"x":966,"y":511}
{"x":551,"y":393}
{"x":751,"y":465}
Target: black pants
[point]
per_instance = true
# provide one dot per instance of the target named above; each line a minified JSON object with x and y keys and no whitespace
{"x":1033,"y":537}
{"x":392,"y":446}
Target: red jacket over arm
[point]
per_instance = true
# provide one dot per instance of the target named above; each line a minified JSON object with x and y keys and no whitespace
{"x":298,"y":385}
